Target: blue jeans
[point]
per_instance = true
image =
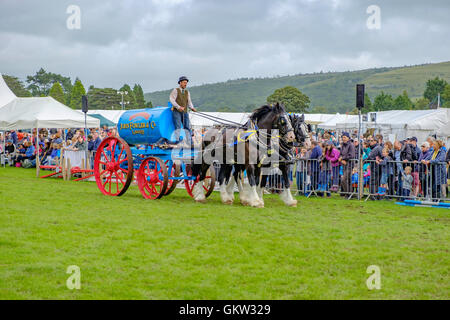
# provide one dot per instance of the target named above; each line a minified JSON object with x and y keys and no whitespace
{"x":181,"y":119}
{"x":335,"y":176}
{"x":324,"y":178}
{"x":406,"y":193}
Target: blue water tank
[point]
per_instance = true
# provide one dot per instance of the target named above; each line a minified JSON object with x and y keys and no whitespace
{"x":147,"y":126}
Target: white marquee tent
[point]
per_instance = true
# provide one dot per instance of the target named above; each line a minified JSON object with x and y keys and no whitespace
{"x":45,"y":112}
{"x":6,"y":95}
{"x":406,"y":123}
{"x":332,"y":122}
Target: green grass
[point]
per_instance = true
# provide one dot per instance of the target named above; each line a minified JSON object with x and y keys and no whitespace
{"x":131,"y":248}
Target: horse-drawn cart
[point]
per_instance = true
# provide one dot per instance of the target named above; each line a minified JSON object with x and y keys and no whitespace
{"x":143,"y":153}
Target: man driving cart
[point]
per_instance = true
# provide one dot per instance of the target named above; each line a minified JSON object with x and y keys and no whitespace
{"x":180,"y":98}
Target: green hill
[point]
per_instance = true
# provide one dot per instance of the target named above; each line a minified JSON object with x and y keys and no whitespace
{"x":335,"y":91}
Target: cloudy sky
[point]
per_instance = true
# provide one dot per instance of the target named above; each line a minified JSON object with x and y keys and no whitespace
{"x":152,"y":42}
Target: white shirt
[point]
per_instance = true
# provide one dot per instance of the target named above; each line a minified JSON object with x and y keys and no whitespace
{"x":173,"y":98}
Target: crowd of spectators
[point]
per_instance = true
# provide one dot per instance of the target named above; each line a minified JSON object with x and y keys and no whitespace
{"x":400,"y":169}
{"x":20,"y":146}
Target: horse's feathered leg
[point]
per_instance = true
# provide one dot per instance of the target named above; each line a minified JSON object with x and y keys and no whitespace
{"x":286,"y":194}
{"x":254,"y":199}
{"x":224,"y":181}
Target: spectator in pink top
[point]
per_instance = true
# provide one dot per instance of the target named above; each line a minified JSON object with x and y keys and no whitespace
{"x":332,"y":154}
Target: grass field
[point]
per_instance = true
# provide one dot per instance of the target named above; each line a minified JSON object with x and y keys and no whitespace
{"x":131,"y":248}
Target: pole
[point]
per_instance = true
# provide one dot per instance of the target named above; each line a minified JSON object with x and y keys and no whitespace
{"x":4,"y":149}
{"x":38,"y":163}
{"x":86,"y":140}
{"x":360,"y":173}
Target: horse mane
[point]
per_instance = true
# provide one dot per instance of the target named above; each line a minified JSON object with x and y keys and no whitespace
{"x":265,"y":109}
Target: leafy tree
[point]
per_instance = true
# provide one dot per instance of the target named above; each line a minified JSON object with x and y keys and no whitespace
{"x":75,"y":96}
{"x":422,"y":104}
{"x":446,"y":96}
{"x":383,"y":102}
{"x":139,"y":96}
{"x":434,"y":86}
{"x":42,"y":81}
{"x":368,"y":105}
{"x":103,"y":99}
{"x":149,"y":104}
{"x":129,"y":100}
{"x":319,"y":109}
{"x":16,"y":86}
{"x":403,"y":102}
{"x":292,"y":98}
{"x":57,"y":93}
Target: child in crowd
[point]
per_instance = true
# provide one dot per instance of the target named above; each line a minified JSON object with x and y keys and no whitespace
{"x":407,"y":182}
{"x":383,"y":162}
{"x":53,"y":158}
{"x":355,"y":179}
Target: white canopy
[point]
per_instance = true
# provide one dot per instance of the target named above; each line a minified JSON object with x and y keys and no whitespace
{"x":332,"y":122}
{"x":45,"y":112}
{"x":6,"y":95}
{"x":406,"y":123}
{"x":317,"y":118}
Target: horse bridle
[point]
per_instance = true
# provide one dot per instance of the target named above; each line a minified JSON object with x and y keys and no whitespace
{"x":284,"y":125}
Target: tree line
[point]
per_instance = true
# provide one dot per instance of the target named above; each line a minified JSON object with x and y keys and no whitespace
{"x":434,"y":87}
{"x":61,"y":88}
{"x":296,"y":101}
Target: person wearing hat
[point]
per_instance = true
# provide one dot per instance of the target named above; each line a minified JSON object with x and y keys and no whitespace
{"x":180,"y":98}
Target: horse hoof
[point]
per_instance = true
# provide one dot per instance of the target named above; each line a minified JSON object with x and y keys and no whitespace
{"x":258,"y":206}
{"x":293,"y":204}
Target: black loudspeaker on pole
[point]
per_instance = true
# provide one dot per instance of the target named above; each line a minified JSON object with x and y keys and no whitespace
{"x":84,"y":104}
{"x":360,"y":90}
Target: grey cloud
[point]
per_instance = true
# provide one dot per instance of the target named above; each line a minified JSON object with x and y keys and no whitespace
{"x":153,"y":42}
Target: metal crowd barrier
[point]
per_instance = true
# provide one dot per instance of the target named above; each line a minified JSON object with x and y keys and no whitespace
{"x":388,"y":180}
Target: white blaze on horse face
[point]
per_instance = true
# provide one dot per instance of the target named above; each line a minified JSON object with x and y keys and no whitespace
{"x":290,"y":136}
{"x":307,"y":143}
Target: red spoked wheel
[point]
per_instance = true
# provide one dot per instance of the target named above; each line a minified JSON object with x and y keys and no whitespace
{"x":208,"y":184}
{"x":174,"y":172}
{"x":113,"y":166}
{"x":152,"y":178}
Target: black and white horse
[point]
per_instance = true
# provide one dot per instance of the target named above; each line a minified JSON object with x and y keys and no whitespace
{"x":301,"y":130}
{"x":263,"y":121}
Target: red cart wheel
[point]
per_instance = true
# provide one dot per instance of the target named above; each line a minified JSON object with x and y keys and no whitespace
{"x":152,"y":178}
{"x":208,"y":184}
{"x":113,"y":166}
{"x":175,"y":172}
